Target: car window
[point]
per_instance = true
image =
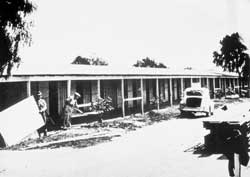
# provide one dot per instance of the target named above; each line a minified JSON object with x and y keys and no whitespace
{"x":194,"y":93}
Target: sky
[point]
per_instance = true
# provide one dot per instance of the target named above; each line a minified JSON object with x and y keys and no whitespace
{"x":178,"y":33}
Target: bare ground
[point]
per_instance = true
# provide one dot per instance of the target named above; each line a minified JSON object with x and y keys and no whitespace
{"x":85,"y":135}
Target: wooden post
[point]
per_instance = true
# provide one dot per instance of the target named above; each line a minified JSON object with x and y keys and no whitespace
{"x":219,"y":83}
{"x":237,"y":167}
{"x":157,"y":94}
{"x":208,"y":83}
{"x":142,"y":103}
{"x":182,"y":88}
{"x":68,"y":88}
{"x":224,"y":86}
{"x":214,"y":87}
{"x":98,"y":88}
{"x":123,"y":102}
{"x":170,"y":92}
{"x":28,"y":88}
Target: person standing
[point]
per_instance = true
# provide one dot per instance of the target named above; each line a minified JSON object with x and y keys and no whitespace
{"x":69,"y":106}
{"x":42,"y":106}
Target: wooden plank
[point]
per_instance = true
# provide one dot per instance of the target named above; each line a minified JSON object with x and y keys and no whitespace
{"x":237,"y":165}
{"x":19,"y":120}
{"x":132,"y":99}
{"x":84,"y":105}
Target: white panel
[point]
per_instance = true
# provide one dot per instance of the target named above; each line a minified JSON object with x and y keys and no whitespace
{"x":19,"y":120}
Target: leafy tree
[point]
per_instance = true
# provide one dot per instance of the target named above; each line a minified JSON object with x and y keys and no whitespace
{"x":14,"y":30}
{"x":233,"y":57}
{"x":89,"y":61}
{"x":147,"y":62}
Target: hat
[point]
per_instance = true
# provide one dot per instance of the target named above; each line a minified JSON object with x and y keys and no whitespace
{"x":39,"y":93}
{"x":77,"y":94}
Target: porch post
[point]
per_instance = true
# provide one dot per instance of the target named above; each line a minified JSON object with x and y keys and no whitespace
{"x":219,"y":83}
{"x":98,"y":88}
{"x":157,"y":94}
{"x":68,"y":88}
{"x":123,"y":102}
{"x":214,"y":87}
{"x":28,"y":88}
{"x":181,"y":85}
{"x":208,"y":83}
{"x":142,"y":99}
{"x":170,"y":92}
{"x":224,"y":86}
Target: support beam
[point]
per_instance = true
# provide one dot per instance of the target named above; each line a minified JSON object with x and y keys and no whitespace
{"x":68,"y":88}
{"x":181,"y":85}
{"x":142,"y":103}
{"x":98,"y":88}
{"x":157,"y":94}
{"x":224,"y":86}
{"x":123,"y":101}
{"x":28,"y":88}
{"x":170,"y":92}
{"x":214,"y":87}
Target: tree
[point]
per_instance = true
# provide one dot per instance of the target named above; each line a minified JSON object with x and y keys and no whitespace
{"x":233,"y":57}
{"x":147,"y":62}
{"x":89,"y":61}
{"x":14,"y":31}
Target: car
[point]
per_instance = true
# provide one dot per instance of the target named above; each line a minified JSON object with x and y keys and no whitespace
{"x":196,"y":99}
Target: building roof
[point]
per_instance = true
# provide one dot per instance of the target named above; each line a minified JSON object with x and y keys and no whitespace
{"x":74,"y":69}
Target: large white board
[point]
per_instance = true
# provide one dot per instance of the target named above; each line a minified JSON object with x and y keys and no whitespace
{"x":19,"y":120}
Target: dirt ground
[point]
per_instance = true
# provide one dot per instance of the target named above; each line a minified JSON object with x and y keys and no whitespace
{"x":165,"y":148}
{"x":84,"y":135}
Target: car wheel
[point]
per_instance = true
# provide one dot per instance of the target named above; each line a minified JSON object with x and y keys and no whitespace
{"x":183,"y":113}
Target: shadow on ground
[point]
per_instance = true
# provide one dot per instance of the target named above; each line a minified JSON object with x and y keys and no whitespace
{"x":81,"y":143}
{"x":202,"y":151}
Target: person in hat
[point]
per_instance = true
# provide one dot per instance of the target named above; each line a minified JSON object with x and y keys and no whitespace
{"x":69,"y":106}
{"x":42,"y":106}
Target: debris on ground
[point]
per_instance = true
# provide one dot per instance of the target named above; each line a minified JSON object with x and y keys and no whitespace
{"x":89,"y":134}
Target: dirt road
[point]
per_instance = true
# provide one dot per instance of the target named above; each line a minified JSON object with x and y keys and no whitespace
{"x":153,"y":151}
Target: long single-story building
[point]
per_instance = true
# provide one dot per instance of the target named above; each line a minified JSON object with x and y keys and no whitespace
{"x":131,"y":89}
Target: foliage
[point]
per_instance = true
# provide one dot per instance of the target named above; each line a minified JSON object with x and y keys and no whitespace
{"x":102,"y":106}
{"x":156,"y":100}
{"x":232,"y":56}
{"x":14,"y":30}
{"x":147,"y":62}
{"x":89,"y":61}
